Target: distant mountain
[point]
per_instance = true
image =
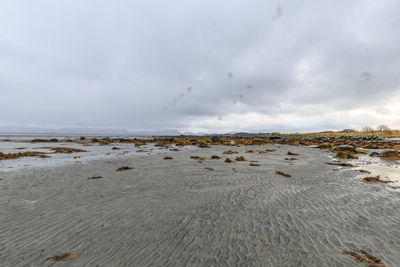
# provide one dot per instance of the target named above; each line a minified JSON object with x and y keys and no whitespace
{"x":82,"y":131}
{"x":156,"y":133}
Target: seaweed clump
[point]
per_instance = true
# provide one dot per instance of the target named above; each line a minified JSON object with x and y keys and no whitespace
{"x":343,"y":164}
{"x":265,"y":151}
{"x":345,"y":155}
{"x":372,"y":260}
{"x":376,"y":179}
{"x":95,"y":177}
{"x":5,"y":156}
{"x":198,"y":158}
{"x":283,"y":174}
{"x":240,"y":158}
{"x":66,"y":150}
{"x":390,"y":155}
{"x":229,"y":152}
{"x":66,"y":256}
{"x":124,"y":168}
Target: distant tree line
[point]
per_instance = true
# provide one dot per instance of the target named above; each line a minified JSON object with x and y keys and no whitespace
{"x":381,"y":128}
{"x":368,"y":129}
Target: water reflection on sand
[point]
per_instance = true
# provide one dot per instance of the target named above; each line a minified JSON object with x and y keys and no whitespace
{"x":94,"y":152}
{"x":389,"y":170}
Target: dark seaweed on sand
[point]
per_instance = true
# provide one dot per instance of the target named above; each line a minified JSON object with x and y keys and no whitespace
{"x":283,"y":174}
{"x":124,"y":168}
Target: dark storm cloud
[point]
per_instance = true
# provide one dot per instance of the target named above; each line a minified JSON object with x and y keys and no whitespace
{"x":126,"y":64}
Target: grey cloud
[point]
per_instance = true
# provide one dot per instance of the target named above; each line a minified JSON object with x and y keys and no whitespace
{"x":102,"y":64}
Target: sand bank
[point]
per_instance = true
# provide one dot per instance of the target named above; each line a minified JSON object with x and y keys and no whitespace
{"x":182,"y":212}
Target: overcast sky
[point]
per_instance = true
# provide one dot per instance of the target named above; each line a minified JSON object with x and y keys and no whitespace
{"x":200,"y":66}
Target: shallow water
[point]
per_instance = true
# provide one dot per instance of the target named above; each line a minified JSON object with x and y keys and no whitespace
{"x":388,"y":170}
{"x":94,"y":152}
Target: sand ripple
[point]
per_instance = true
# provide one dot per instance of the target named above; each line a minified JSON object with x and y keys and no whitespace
{"x":177,"y":213}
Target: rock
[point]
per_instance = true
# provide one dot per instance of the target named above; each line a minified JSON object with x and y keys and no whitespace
{"x":215,"y":139}
{"x":274,"y":137}
{"x":374,"y":154}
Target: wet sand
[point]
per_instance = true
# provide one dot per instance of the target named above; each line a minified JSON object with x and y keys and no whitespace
{"x":181,"y":212}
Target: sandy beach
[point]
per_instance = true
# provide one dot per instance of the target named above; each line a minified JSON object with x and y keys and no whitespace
{"x":182,"y":212}
{"x":199,"y":133}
